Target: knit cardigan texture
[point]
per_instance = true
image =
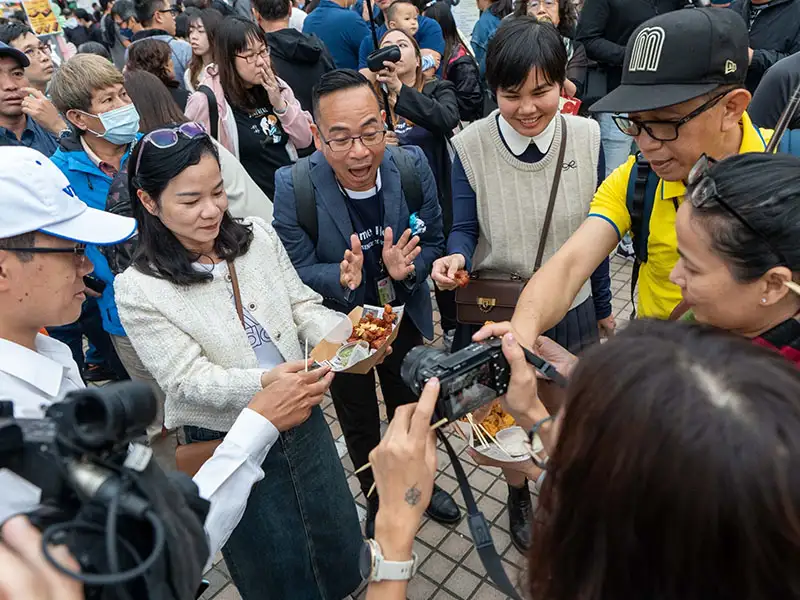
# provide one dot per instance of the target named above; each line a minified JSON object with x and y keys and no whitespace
{"x":512,"y":195}
{"x":192,"y":342}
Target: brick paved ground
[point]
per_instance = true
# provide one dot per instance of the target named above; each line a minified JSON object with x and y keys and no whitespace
{"x":450,"y":568}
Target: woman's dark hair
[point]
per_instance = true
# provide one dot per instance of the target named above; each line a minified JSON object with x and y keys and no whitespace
{"x":152,"y":100}
{"x":501,"y":8}
{"x":676,"y":474}
{"x":441,"y":12}
{"x":210,"y":18}
{"x":94,"y":48}
{"x":520,"y":45}
{"x":159,"y":253}
{"x":153,"y":56}
{"x":567,"y":16}
{"x":234,"y":35}
{"x":182,"y":26}
{"x":764,"y":190}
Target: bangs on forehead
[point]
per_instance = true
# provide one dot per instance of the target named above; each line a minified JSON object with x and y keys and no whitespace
{"x":539,"y":77}
{"x":253,"y":40}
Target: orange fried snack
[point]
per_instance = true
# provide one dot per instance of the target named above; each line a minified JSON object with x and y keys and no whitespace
{"x":497,"y":419}
{"x":461,"y":277}
{"x":374,"y":330}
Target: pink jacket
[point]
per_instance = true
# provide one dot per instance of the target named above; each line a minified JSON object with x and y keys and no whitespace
{"x":296,"y":122}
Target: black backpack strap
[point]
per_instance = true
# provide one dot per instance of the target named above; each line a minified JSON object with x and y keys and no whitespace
{"x":409,"y":179}
{"x":642,"y":184}
{"x":213,"y":110}
{"x":305,"y":203}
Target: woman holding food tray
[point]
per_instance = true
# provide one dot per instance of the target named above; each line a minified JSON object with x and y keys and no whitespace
{"x":523,"y":179}
{"x":216,"y":311}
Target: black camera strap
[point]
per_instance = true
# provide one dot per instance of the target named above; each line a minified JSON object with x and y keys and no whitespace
{"x":479,"y":528}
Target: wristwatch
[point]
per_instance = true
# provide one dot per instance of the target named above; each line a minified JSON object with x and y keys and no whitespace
{"x":374,"y":568}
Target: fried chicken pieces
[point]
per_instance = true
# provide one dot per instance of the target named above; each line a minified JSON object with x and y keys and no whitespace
{"x":374,"y":330}
{"x":461,"y":277}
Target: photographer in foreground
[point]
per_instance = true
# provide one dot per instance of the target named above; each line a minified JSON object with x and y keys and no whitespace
{"x":42,"y":263}
{"x":688,"y":515}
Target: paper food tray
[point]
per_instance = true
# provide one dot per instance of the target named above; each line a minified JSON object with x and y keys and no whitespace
{"x":325,"y":350}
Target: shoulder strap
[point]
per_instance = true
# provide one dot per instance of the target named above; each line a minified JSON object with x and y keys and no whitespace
{"x":548,"y":217}
{"x":213,"y":110}
{"x":237,"y":297}
{"x":409,"y":180}
{"x":305,"y":204}
{"x":642,"y":185}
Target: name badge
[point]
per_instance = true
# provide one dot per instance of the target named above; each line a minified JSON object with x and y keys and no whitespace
{"x":386,"y":293}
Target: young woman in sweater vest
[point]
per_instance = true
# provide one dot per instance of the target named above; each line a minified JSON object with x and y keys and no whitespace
{"x":216,"y":312}
{"x":503,"y":174}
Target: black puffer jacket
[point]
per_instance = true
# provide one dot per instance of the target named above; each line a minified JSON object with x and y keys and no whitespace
{"x":464,"y":74}
{"x":774,"y":34}
{"x":300,"y":60}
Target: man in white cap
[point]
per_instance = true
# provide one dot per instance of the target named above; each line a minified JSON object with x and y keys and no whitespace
{"x":44,"y":230}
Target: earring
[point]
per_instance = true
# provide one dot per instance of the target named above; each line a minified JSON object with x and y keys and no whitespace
{"x":763,"y":301}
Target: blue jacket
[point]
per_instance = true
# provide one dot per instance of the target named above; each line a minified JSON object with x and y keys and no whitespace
{"x":340,"y":29}
{"x":91,"y":185}
{"x":318,"y":266}
{"x":483,"y":32}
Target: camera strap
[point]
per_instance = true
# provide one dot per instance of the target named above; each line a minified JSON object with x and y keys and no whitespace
{"x":479,"y":528}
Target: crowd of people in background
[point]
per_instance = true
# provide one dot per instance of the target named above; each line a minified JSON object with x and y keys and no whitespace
{"x":286,"y":163}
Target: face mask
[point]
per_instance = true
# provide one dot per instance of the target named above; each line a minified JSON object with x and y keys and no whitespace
{"x":126,"y":33}
{"x":121,"y":124}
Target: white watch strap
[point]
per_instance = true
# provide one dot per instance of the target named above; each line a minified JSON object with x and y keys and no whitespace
{"x":386,"y":570}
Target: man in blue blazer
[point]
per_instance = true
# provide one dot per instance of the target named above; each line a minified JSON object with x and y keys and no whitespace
{"x":371,"y":238}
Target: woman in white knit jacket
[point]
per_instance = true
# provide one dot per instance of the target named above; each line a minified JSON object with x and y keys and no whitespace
{"x":503,"y":174}
{"x":299,"y":536}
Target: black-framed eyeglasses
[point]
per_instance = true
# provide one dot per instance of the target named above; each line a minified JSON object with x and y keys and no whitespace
{"x":173,"y":10}
{"x":78,"y":250}
{"x":702,"y":191}
{"x":663,"y":131}
{"x":253,"y":56}
{"x":373,"y":138}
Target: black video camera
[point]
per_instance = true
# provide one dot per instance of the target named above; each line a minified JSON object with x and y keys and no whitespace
{"x":136,"y":532}
{"x":468,"y":379}
{"x":376,"y":58}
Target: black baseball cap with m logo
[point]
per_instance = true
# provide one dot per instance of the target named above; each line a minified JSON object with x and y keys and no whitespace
{"x":678,"y":56}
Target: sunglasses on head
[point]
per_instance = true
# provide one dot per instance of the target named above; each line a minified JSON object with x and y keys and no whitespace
{"x":168,"y":137}
{"x":703,"y":192}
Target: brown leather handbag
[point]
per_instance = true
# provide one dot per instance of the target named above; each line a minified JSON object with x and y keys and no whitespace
{"x":494,"y":298}
{"x":190,"y":457}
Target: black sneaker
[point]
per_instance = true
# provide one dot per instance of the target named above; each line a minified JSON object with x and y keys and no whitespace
{"x":520,"y":516}
{"x":95,"y":373}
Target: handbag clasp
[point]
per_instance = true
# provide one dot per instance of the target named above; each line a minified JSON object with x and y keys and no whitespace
{"x":486,"y":304}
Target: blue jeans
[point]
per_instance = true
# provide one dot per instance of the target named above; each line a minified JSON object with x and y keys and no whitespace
{"x":616,"y":145}
{"x":299,"y":537}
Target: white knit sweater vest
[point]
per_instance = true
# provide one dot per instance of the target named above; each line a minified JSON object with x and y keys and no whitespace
{"x":512,"y":195}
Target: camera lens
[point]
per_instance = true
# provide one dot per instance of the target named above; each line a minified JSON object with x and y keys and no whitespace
{"x":417,"y":359}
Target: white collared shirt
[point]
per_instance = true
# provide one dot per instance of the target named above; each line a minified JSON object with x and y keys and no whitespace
{"x":34,"y":380}
{"x":518,"y":143}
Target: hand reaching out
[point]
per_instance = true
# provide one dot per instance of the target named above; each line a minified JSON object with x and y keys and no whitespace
{"x":350,"y":268}
{"x":399,"y":258}
{"x":444,"y":270}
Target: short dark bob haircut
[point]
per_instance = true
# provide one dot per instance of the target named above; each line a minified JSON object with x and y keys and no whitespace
{"x":159,"y":253}
{"x":233,"y":36}
{"x":520,"y":45}
{"x":764,"y":190}
{"x":676,"y":474}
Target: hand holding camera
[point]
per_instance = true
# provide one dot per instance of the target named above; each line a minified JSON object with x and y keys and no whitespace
{"x":444,"y":270}
{"x":25,"y":574}
{"x":388,"y":77}
{"x":291,"y":393}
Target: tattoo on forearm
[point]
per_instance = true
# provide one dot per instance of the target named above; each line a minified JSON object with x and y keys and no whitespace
{"x":413,"y":495}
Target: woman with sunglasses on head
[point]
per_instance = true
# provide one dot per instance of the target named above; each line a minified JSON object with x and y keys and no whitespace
{"x":260,"y":120}
{"x":738,"y":232}
{"x":700,"y":432}
{"x":512,"y":169}
{"x":216,"y":312}
{"x":562,"y":14}
{"x":202,"y":28}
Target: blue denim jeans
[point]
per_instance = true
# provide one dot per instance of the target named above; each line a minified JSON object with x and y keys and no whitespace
{"x":299,"y":537}
{"x":616,"y":145}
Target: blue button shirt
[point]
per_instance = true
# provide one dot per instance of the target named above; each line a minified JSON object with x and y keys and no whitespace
{"x":33,"y":136}
{"x":340,"y":29}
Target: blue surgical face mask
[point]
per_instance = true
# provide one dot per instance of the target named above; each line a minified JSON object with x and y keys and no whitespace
{"x":121,"y":124}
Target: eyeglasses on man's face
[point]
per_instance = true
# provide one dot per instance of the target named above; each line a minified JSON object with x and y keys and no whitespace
{"x":345,"y":143}
{"x":173,"y":10}
{"x":43,"y":49}
{"x":663,"y":131}
{"x":78,"y":250}
{"x":251,"y":57}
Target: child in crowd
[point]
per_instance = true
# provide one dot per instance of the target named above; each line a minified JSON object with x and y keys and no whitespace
{"x":402,"y":14}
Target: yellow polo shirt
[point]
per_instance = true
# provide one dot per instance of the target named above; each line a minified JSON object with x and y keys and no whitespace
{"x":657,"y":295}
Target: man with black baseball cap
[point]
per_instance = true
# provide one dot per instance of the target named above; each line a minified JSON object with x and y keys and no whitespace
{"x":683,"y":92}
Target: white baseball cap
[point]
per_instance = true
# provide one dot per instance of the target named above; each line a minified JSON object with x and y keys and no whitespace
{"x":36,"y":196}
